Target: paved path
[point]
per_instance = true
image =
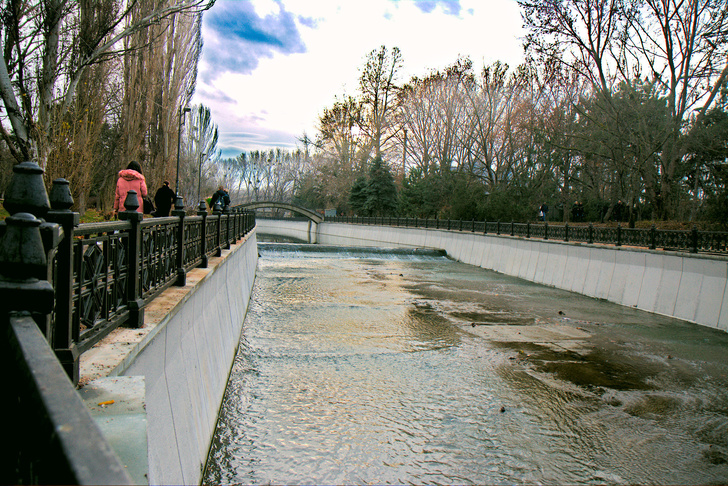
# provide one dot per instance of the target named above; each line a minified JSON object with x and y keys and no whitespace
{"x":108,"y":354}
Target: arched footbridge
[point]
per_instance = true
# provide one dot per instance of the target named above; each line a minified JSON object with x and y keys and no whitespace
{"x":314,"y":218}
{"x":312,"y":215}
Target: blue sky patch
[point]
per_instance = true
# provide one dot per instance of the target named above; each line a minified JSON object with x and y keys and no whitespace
{"x":451,"y":7}
{"x":245,"y":37}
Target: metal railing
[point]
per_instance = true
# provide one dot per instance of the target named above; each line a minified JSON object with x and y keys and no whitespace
{"x":77,"y":283}
{"x":114,"y":269}
{"x":694,"y":241}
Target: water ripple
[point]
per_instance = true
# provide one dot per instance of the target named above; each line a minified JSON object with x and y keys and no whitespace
{"x":362,"y":369}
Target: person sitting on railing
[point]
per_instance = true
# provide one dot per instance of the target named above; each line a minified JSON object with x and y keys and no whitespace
{"x":130,"y":179}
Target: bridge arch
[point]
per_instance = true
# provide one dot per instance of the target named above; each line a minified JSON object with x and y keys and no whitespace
{"x":312,"y":215}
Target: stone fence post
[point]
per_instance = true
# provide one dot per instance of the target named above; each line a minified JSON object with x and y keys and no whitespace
{"x":226,"y":212}
{"x":202,"y":211}
{"x":217,"y":210}
{"x":65,"y":336}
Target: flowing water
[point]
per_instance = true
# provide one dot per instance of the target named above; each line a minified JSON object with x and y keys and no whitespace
{"x":365,"y":366}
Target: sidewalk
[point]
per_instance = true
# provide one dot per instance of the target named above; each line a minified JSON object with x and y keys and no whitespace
{"x":107,"y":357}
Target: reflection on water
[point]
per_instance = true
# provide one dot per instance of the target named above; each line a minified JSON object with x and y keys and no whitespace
{"x":363,"y":367}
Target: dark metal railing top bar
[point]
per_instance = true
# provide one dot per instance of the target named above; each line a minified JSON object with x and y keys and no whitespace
{"x":694,"y":241}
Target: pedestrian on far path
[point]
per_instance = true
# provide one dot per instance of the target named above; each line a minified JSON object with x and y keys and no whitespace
{"x":220,"y":196}
{"x":544,"y":212}
{"x":164,"y":199}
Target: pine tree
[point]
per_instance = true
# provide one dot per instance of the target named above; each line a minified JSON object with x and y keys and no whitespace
{"x":358,"y":197}
{"x":381,"y":193}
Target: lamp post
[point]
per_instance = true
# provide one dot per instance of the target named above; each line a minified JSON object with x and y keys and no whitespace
{"x":199,"y":176}
{"x":182,"y":111}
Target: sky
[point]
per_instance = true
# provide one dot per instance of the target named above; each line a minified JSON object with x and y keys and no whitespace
{"x":270,"y":67}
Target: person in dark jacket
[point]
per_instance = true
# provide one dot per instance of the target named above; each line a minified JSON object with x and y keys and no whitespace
{"x":543,"y":212}
{"x":164,"y":200}
{"x":221,"y":196}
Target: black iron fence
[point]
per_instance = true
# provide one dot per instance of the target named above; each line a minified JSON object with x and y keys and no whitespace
{"x":104,"y":274}
{"x":75,"y":283}
{"x":693,"y":241}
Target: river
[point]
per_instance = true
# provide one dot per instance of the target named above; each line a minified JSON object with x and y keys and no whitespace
{"x":365,"y":366}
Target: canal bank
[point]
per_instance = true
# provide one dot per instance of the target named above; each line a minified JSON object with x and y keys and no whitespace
{"x":158,"y":389}
{"x":690,"y":287}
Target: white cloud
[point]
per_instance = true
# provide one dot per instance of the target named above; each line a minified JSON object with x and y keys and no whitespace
{"x":273,"y":98}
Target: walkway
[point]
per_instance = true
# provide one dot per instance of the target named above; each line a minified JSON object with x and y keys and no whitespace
{"x":105,"y":357}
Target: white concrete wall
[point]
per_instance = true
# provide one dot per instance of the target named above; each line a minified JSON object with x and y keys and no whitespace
{"x":186,"y":366}
{"x":686,"y":286}
{"x":301,"y":230}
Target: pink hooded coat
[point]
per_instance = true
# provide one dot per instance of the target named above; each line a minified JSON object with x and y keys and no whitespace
{"x":129,"y":180}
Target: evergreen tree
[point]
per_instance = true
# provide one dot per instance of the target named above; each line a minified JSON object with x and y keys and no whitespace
{"x":381,"y":193}
{"x":423,"y":195}
{"x":374,"y":194}
{"x":358,"y":197}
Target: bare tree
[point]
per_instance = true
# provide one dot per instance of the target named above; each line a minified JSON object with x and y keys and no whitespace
{"x":37,"y":73}
{"x":199,"y":157}
{"x":680,"y":46}
{"x":377,"y":84}
{"x":433,"y":111}
{"x":339,"y":138}
{"x":160,"y":70}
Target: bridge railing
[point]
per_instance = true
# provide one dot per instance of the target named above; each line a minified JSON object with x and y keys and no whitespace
{"x":693,"y":241}
{"x":76,"y":283}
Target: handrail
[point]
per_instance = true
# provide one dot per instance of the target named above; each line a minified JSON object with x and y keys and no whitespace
{"x":51,"y":437}
{"x":116,"y":268}
{"x":693,"y":241}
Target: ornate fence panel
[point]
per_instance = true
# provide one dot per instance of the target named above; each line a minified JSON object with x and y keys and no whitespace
{"x":522,"y":230}
{"x":713,"y":242}
{"x":159,"y":254}
{"x":192,"y":242}
{"x":100,"y":278}
{"x":634,"y":237}
{"x":581,"y":233}
{"x":674,"y":240}
{"x":211,"y":235}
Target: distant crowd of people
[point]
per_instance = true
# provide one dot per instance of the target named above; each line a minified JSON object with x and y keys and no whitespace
{"x":132,"y":179}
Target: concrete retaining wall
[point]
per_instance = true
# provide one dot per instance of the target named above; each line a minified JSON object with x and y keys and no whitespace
{"x":685,"y":286}
{"x":300,"y":230}
{"x":186,"y":363}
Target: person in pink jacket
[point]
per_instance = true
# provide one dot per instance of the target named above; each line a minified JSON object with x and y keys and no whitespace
{"x":130,"y":178}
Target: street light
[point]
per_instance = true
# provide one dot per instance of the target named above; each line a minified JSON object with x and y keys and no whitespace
{"x":199,"y":176}
{"x":179,"y":139}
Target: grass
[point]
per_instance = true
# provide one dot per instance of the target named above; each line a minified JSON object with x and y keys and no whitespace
{"x":90,"y":216}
